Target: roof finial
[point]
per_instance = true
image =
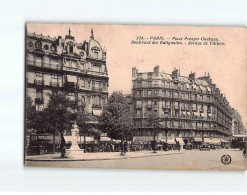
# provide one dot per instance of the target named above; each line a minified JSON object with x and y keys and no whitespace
{"x":69,"y":31}
{"x":92,"y":33}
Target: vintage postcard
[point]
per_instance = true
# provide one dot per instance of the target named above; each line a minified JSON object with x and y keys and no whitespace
{"x":135,"y":96}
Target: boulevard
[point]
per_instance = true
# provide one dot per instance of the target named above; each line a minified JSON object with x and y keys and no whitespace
{"x":184,"y":160}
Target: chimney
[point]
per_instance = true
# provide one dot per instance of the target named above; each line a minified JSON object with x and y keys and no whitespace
{"x":175,"y":73}
{"x":192,"y":76}
{"x":134,"y":71}
{"x":157,"y":70}
{"x":59,"y":43}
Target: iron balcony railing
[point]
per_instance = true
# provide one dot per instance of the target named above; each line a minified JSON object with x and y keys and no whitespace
{"x":39,"y":101}
{"x":39,"y":82}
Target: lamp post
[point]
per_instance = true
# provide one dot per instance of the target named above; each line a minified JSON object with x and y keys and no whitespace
{"x":122,"y":144}
{"x":154,"y":149}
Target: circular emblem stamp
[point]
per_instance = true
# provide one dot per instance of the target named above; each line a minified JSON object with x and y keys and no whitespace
{"x":226,"y":159}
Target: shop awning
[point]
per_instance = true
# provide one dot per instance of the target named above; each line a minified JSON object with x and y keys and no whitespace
{"x":71,"y":79}
{"x":171,"y":141}
{"x":87,"y":139}
{"x":105,"y":139}
{"x":198,"y":139}
{"x":97,"y":112}
{"x":214,"y":141}
{"x":224,"y":141}
{"x":180,"y":140}
{"x":116,"y":141}
{"x":68,"y":138}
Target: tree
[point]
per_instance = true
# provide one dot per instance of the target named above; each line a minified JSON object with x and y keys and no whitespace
{"x":115,"y":119}
{"x":154,"y":121}
{"x":60,"y":114}
{"x":86,"y":123}
{"x":30,"y":113}
{"x":34,"y":119}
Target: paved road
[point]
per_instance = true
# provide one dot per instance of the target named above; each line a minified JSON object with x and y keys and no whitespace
{"x":189,"y":160}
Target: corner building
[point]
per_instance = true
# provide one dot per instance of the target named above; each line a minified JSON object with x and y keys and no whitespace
{"x":61,"y":64}
{"x":191,"y":109}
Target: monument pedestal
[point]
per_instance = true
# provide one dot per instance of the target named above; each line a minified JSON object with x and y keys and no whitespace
{"x":74,"y":151}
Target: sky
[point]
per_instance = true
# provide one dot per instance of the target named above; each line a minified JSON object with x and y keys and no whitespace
{"x":225,"y":63}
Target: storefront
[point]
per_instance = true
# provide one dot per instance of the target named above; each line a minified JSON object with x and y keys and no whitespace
{"x":171,"y":143}
{"x":180,"y":141}
{"x":213,"y":142}
{"x":196,"y":142}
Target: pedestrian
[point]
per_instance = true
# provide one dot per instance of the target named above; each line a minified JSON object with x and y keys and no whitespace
{"x":244,"y":151}
{"x":112,"y":147}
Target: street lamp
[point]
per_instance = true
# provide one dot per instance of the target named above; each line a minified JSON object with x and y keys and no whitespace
{"x":154,"y":149}
{"x":122,"y":144}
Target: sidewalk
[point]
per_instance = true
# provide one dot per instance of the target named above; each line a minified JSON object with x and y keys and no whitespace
{"x":100,"y":156}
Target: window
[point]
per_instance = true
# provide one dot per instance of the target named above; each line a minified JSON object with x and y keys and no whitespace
{"x":54,"y":76}
{"x":96,"y":54}
{"x":149,"y":93}
{"x":46,"y":47}
{"x":38,"y":61}
{"x":155,"y":102}
{"x":138,"y":104}
{"x":39,"y":93}
{"x":70,"y":49}
{"x":149,"y":102}
{"x":138,"y":113}
{"x":155,"y":82}
{"x":71,"y":96}
{"x":82,"y":83}
{"x":38,"y":45}
{"x":39,"y":76}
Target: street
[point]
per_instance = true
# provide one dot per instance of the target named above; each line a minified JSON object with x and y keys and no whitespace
{"x":186,"y":160}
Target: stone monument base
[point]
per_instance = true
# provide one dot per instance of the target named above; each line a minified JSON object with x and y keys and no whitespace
{"x":74,"y":153}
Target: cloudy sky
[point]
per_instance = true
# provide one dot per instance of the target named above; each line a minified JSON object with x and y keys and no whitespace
{"x":226,"y":64}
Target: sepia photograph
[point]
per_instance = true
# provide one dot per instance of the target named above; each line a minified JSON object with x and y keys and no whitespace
{"x":135,"y":97}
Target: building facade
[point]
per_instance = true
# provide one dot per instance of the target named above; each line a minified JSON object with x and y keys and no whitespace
{"x":61,"y":64}
{"x":237,"y":124}
{"x":189,"y":108}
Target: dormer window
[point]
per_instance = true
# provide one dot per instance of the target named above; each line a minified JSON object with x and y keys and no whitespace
{"x":71,"y":49}
{"x":38,"y":45}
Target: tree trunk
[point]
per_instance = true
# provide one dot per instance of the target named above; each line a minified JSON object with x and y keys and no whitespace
{"x":63,"y":150}
{"x":54,"y":143}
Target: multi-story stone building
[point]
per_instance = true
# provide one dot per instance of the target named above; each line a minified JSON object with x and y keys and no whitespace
{"x":189,"y":108}
{"x":61,"y":64}
{"x":237,"y":124}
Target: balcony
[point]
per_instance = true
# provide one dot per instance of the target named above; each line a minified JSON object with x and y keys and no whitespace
{"x":97,"y":106}
{"x":54,"y":84}
{"x":39,"y":82}
{"x":176,"y":107}
{"x":194,"y":109}
{"x":201,"y":110}
{"x":149,"y":106}
{"x":39,"y":101}
{"x":96,"y":73}
{"x":69,"y":68}
{"x":70,"y":85}
{"x":209,"y":111}
{"x":52,"y":66}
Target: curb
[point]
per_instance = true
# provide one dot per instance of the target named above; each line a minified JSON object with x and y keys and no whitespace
{"x":95,"y":159}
